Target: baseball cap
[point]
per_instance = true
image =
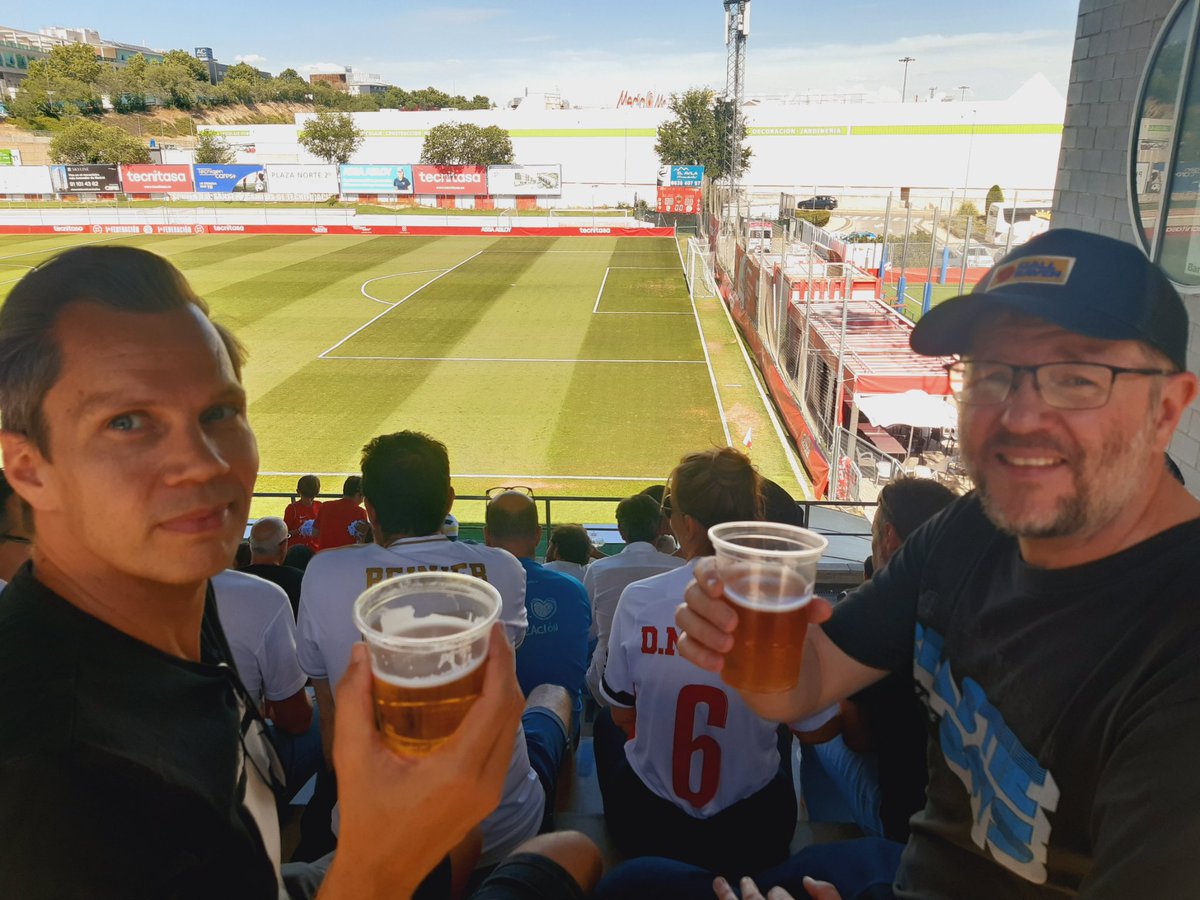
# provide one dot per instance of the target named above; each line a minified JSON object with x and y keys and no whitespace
{"x":1085,"y":283}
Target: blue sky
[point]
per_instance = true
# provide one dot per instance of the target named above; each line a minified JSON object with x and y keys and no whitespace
{"x":592,"y":51}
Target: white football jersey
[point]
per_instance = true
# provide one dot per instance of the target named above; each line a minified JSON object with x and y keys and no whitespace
{"x":326,"y":632}
{"x":696,"y":742}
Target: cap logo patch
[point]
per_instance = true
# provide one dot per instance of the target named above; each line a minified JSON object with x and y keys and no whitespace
{"x":1033,"y":270}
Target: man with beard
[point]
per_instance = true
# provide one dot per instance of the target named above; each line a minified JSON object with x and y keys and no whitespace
{"x":1048,"y":618}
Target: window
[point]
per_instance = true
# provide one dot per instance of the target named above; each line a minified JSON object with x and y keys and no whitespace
{"x":1165,"y":155}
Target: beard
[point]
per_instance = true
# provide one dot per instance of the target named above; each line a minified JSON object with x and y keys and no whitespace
{"x":1102,"y":482}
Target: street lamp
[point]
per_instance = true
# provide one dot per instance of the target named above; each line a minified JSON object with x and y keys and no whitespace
{"x":964,"y":88}
{"x":904,"y":85}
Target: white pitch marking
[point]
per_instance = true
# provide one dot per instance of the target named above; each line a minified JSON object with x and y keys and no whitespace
{"x":712,"y":377}
{"x":509,"y":359}
{"x":116,"y":237}
{"x":597,"y":311}
{"x":363,"y":287}
{"x":600,"y":293}
{"x":394,"y":305}
{"x":652,"y":478}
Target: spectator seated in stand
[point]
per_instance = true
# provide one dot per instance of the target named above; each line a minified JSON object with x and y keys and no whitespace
{"x":569,"y":551}
{"x":268,"y":554}
{"x":261,"y":630}
{"x":638,"y":518}
{"x":555,"y":649}
{"x":16,"y":531}
{"x":878,"y":761}
{"x":337,"y":521}
{"x":303,"y":510}
{"x":665,"y":542}
{"x":406,"y":482}
{"x":687,"y":770}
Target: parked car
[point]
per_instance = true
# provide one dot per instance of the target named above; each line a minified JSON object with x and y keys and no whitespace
{"x":821,"y":201}
{"x":978,"y":258}
{"x":862,"y":237}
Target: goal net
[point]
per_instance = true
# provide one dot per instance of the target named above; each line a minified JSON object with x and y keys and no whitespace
{"x":698,"y":270}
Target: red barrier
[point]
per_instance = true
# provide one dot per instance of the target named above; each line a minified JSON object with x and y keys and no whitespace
{"x":418,"y":230}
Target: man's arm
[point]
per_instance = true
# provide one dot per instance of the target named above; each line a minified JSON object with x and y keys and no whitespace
{"x":293,"y":714}
{"x":401,"y":815}
{"x":326,"y":716}
{"x":826,"y":674}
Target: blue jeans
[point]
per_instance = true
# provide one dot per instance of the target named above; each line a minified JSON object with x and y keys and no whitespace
{"x":861,"y":870}
{"x":856,"y":776}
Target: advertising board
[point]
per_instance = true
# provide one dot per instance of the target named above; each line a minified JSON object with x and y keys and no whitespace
{"x":230,"y":179}
{"x":25,"y":180}
{"x":526,"y":181}
{"x":289,"y":179}
{"x":679,"y":200}
{"x":362,"y":179}
{"x":464,"y":180}
{"x":157,"y":180}
{"x":103,"y":179}
{"x":681,"y":176}
{"x":10,"y":157}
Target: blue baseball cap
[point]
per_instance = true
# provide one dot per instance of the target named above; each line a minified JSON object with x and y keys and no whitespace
{"x":1085,"y":283}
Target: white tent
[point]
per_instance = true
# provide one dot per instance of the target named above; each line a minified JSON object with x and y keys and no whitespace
{"x":915,"y":408}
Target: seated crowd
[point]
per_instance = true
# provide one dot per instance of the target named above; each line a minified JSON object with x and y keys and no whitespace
{"x":990,"y":708}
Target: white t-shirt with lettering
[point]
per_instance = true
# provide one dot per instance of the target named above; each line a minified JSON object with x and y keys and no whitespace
{"x":696,"y":743}
{"x":326,"y":632}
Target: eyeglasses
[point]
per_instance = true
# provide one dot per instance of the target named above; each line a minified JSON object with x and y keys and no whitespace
{"x":493,"y":493}
{"x":1063,"y":385}
{"x":14,"y":539}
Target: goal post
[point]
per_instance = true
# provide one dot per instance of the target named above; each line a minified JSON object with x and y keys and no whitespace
{"x":698,"y":271}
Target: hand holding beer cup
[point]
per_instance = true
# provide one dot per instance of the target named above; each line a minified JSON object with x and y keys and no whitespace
{"x":747,"y":613}
{"x":427,"y":634}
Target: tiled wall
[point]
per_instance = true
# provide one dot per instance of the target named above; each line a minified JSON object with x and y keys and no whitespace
{"x":1112,"y":42}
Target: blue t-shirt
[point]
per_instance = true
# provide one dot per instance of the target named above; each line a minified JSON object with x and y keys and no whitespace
{"x":555,"y":649}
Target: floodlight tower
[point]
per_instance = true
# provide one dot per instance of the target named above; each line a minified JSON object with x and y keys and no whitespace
{"x":737,"y":29}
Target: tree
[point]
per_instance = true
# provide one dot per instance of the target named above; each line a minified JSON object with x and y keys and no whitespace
{"x":75,"y":61}
{"x":994,"y":195}
{"x":173,"y":84}
{"x":331,"y":136}
{"x":699,"y":134}
{"x":463,"y":144}
{"x":85,"y":141}
{"x":197,"y":69}
{"x":243,"y":72}
{"x":211,"y":149}
{"x":126,"y":86}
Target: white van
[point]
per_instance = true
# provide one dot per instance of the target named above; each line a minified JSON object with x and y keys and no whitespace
{"x":978,"y":258}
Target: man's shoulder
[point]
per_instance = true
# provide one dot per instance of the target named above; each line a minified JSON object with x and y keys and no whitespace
{"x":238,"y":586}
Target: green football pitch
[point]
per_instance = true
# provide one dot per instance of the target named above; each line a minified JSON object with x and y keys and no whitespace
{"x":576,"y":366}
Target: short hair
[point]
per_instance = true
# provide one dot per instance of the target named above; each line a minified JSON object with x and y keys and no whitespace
{"x":659,"y":493}
{"x":298,"y":556}
{"x":243,"y":556}
{"x":308,"y":486}
{"x":779,"y":505}
{"x":572,"y":543}
{"x":353,"y":485}
{"x":122,"y":279}
{"x":507,"y":523}
{"x":267,"y":534}
{"x":907,"y":502}
{"x":7,"y":524}
{"x":406,"y":478}
{"x":638,"y":518}
{"x":715,"y":486}
{"x":1172,"y":469}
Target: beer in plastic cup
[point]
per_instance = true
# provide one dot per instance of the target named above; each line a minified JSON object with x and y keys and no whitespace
{"x":427,"y":633}
{"x":768,"y":570}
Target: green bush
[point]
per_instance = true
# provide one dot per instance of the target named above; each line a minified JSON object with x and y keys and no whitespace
{"x":818,"y":217}
{"x":994,"y":195}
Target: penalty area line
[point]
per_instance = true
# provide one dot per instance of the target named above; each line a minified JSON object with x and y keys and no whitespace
{"x":655,"y":479}
{"x":535,"y":359}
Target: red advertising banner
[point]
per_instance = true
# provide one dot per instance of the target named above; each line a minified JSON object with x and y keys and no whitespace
{"x":157,"y":180}
{"x":398,"y":230}
{"x":679,"y":200}
{"x":450,"y":180}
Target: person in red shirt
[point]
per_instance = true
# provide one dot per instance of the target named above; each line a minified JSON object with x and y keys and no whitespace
{"x":303,"y":510}
{"x":332,"y":527}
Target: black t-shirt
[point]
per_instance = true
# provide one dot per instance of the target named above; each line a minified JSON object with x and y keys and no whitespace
{"x":1064,"y":705}
{"x":121,"y":771}
{"x":286,"y":577}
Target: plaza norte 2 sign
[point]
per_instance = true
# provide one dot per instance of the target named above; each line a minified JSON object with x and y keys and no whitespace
{"x":157,"y":180}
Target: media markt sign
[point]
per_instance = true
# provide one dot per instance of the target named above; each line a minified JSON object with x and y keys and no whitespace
{"x":10,"y":157}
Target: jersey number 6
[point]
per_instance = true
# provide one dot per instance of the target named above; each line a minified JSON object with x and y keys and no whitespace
{"x":687,"y":744}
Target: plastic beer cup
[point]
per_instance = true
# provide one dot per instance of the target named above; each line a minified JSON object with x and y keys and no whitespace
{"x":768,"y":570}
{"x":428,"y":637}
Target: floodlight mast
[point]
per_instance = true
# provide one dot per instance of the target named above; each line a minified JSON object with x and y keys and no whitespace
{"x":737,"y":29}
